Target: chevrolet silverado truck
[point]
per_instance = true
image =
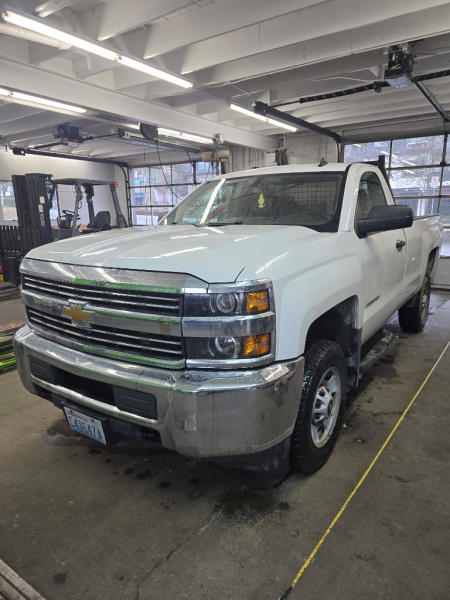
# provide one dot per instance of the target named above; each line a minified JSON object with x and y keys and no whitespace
{"x":237,"y":325}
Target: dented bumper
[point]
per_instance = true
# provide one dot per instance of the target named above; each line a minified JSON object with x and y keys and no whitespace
{"x":201,"y":413}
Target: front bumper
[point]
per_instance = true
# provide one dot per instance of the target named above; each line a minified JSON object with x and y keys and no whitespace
{"x":199,"y":412}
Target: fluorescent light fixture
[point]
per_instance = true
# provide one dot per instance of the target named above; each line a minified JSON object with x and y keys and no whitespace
{"x":184,"y":136}
{"x":191,"y":137}
{"x":73,"y":40}
{"x":250,"y":113}
{"x":131,"y":126}
{"x":56,"y":34}
{"x":44,"y":103}
{"x":153,"y":71}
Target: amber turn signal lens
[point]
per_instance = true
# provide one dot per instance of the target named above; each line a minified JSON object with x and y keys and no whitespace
{"x":256,"y":345}
{"x":257,"y":302}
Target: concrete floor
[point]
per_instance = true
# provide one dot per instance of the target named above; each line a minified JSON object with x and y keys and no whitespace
{"x":12,"y":311}
{"x":79,"y":521}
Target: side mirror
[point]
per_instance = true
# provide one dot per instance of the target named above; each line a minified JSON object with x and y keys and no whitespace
{"x":162,"y":216}
{"x":385,"y":218}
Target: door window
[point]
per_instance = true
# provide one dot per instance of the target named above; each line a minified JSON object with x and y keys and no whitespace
{"x":370,"y":194}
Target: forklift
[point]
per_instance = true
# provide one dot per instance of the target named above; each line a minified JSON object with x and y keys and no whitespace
{"x":33,"y":194}
{"x":68,"y":219}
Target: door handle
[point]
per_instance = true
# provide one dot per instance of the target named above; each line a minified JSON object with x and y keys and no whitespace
{"x":400,"y":243}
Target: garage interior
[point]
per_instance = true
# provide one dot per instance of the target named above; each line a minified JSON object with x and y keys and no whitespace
{"x":110,"y":114}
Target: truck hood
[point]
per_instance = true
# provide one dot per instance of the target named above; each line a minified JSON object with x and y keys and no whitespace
{"x":214,"y":254}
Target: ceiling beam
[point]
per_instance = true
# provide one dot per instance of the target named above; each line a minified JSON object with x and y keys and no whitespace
{"x":191,"y":99}
{"x":408,"y":27}
{"x":211,"y":20}
{"x":324,"y":19}
{"x":419,"y":105}
{"x":117,"y":17}
{"x":38,"y":81}
{"x":369,"y":117}
{"x":428,"y":125}
{"x":349,"y":79}
{"x":45,"y":9}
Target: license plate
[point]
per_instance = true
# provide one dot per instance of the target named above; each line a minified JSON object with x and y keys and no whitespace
{"x":86,"y":425}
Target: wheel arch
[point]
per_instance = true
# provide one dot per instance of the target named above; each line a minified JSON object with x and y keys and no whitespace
{"x":432,"y":261}
{"x":339,"y":324}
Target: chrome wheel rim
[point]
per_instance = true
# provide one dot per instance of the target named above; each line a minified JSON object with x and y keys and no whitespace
{"x":325,"y":410}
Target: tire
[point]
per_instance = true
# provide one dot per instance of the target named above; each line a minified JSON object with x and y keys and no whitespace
{"x":413,"y":315}
{"x":311,"y":443}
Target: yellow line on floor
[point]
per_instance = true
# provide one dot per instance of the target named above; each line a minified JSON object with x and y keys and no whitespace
{"x":363,"y":477}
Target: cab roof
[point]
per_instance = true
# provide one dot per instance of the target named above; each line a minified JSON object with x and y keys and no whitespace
{"x":309,"y":168}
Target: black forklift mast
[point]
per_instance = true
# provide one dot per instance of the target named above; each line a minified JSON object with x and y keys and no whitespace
{"x":89,"y":193}
{"x":33,"y":198}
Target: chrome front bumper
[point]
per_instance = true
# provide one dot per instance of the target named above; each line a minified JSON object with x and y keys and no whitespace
{"x":200,"y":412}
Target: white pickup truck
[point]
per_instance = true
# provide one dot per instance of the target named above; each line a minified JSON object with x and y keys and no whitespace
{"x":238,"y":324}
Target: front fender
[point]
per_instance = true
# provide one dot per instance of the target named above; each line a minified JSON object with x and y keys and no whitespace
{"x":307,"y":285}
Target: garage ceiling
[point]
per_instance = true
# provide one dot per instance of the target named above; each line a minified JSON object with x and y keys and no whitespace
{"x":233,"y":52}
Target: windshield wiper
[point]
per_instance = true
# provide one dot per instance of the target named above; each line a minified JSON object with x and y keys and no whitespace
{"x":222,"y":223}
{"x":184,"y":223}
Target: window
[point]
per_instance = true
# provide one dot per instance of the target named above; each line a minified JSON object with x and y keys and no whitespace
{"x":370,"y":194}
{"x":306,"y":199}
{"x":418,"y":171}
{"x":365,"y":152}
{"x":415,"y":182}
{"x":414,"y":152}
{"x":7,"y":202}
{"x":154,"y":190}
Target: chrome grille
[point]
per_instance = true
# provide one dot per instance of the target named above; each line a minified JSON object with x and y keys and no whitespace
{"x":130,"y":344}
{"x":135,"y":300}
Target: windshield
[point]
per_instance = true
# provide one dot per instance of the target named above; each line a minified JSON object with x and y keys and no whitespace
{"x":308,"y":199}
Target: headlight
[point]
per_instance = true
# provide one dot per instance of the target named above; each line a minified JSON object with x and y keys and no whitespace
{"x":226,"y":304}
{"x":229,"y":347}
{"x":225,"y":347}
{"x":230,"y":326}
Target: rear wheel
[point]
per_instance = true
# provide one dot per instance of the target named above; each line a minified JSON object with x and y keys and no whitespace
{"x":413,"y":316}
{"x":321,"y":408}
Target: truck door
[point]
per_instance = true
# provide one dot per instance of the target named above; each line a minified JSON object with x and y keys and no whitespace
{"x":383,"y":256}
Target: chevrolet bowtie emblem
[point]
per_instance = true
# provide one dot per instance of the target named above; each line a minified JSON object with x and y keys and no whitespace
{"x":76,"y":313}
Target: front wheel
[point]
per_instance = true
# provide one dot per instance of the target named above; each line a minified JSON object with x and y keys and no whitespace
{"x":321,"y":408}
{"x":413,"y":316}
